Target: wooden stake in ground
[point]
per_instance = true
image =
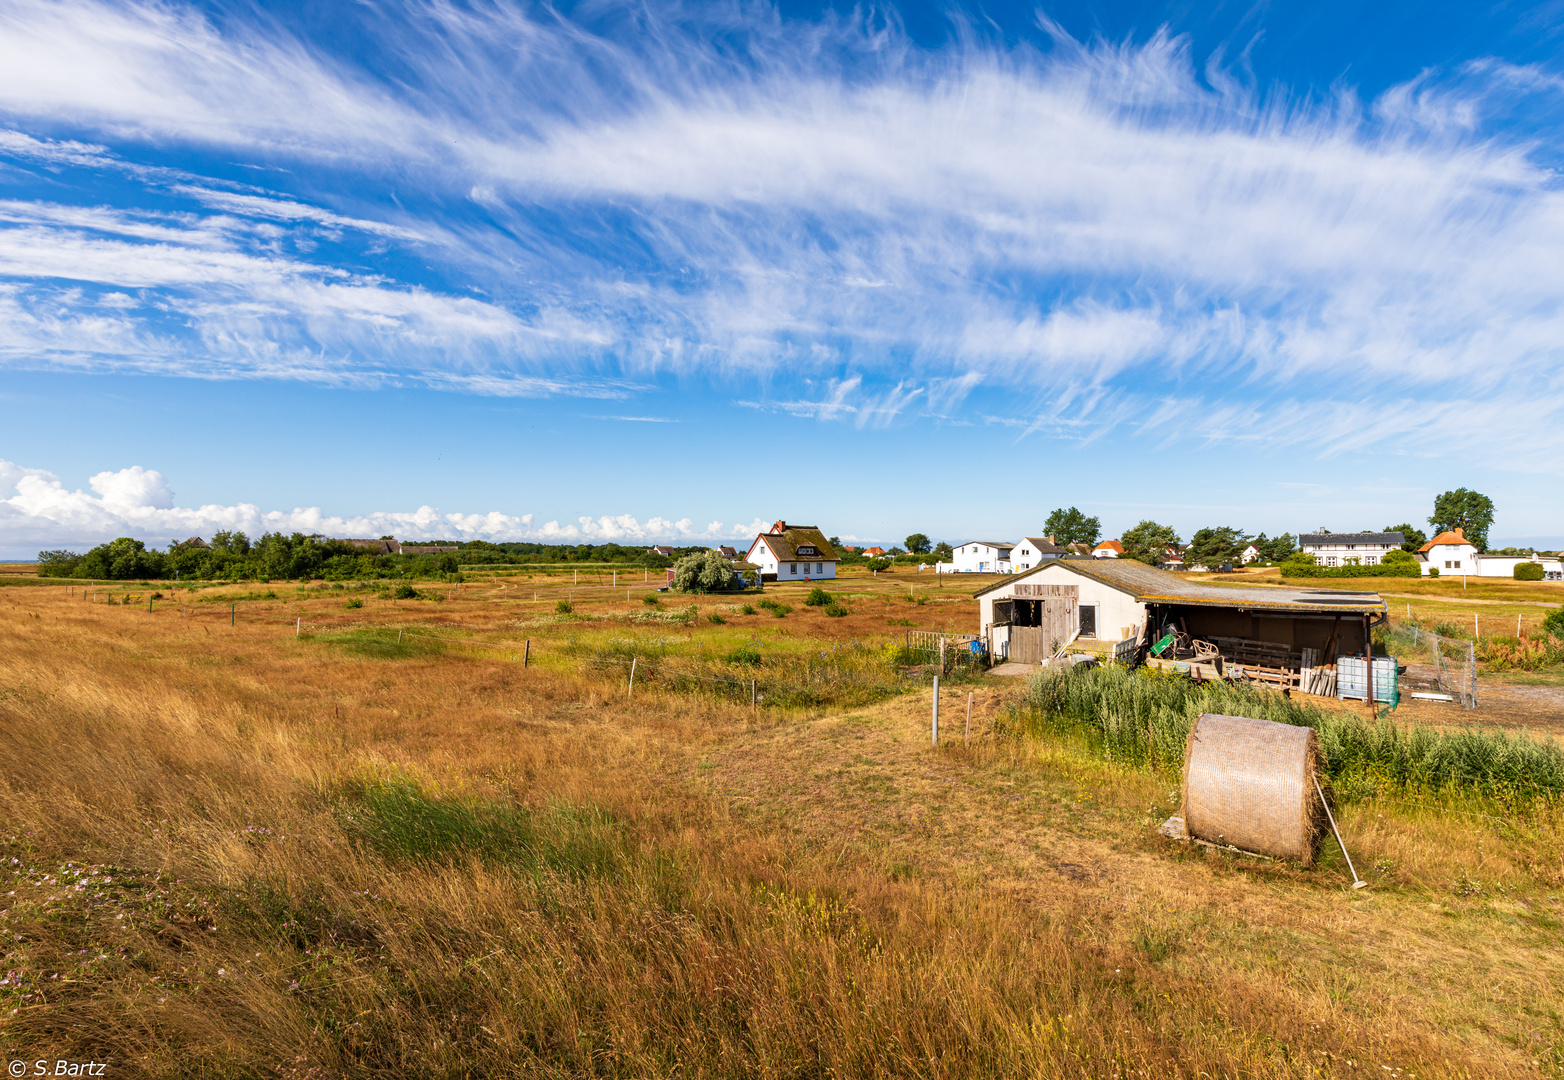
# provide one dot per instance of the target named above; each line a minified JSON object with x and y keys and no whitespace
{"x":753,"y":708}
{"x":935,"y":721}
{"x":298,"y":622}
{"x":966,"y":735}
{"x":526,"y":654}
{"x":232,"y":613}
{"x":630,"y":690}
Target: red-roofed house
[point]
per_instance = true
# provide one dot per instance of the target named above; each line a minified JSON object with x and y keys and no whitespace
{"x":1450,"y":553}
{"x":1108,"y":549}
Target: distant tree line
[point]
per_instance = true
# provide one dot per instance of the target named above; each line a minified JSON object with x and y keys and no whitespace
{"x":233,"y":556}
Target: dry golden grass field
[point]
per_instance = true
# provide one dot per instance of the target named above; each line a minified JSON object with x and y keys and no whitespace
{"x":233,"y":851}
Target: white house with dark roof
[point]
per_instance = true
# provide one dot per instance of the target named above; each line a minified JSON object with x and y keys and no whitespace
{"x":979,"y":557}
{"x":793,"y":553}
{"x":1349,"y":549}
{"x":1032,"y":550}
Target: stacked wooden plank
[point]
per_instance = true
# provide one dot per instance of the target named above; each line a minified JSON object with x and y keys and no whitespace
{"x":1268,"y":662}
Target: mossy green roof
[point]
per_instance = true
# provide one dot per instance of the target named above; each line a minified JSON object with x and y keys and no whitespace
{"x":1148,"y":585}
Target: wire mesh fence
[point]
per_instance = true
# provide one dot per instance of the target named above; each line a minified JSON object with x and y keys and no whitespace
{"x":1454,"y":661}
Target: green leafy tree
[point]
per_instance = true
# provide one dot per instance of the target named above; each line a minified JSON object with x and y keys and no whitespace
{"x":1213,"y":547}
{"x":1412,"y":537}
{"x":1467,"y":510}
{"x":1398,"y":557}
{"x":1148,"y":542}
{"x":704,"y":572}
{"x":944,"y":550}
{"x":1280,"y":548}
{"x":918,"y":544}
{"x":1072,"y":527}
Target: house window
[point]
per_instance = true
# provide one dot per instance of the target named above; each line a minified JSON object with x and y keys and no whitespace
{"x":1458,"y":564}
{"x":1447,"y":564}
{"x":819,"y":568}
{"x":792,"y":568}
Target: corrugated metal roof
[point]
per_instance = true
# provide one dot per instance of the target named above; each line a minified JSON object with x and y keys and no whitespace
{"x":1147,"y":584}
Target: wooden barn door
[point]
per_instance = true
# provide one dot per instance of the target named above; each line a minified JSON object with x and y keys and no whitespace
{"x":1027,"y":645}
{"x":1059,"y":605}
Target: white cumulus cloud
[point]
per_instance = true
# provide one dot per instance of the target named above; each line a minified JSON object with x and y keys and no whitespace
{"x":38,"y":512}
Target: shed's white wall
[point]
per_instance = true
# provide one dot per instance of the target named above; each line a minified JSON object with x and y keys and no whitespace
{"x":1116,"y":610}
{"x":1503,"y":566}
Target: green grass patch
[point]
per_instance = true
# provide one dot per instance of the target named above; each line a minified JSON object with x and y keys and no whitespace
{"x":380,"y":643}
{"x":405,"y":822}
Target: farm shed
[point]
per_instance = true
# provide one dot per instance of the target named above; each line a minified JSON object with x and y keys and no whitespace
{"x":1028,"y":617}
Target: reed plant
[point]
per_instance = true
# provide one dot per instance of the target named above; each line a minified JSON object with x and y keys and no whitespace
{"x":1143,"y":717}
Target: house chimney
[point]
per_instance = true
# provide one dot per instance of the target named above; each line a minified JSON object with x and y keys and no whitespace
{"x":779,"y":527}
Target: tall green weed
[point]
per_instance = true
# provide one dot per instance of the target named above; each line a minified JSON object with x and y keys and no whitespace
{"x":1143,"y":717}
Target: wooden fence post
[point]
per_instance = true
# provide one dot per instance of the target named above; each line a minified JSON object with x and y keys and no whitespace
{"x":232,"y":609}
{"x":753,"y":708}
{"x":630,"y":690}
{"x":934,"y":722}
{"x":526,"y":655}
{"x":297,"y":623}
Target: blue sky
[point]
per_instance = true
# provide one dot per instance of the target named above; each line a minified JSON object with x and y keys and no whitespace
{"x":666,"y":272}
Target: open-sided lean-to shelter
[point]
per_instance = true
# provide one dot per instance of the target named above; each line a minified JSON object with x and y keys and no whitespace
{"x":1028,"y":616}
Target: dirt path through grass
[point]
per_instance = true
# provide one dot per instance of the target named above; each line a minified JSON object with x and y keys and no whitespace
{"x":1073,"y":839}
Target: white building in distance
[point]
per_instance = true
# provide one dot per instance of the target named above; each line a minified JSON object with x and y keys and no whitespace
{"x":1350,"y":549}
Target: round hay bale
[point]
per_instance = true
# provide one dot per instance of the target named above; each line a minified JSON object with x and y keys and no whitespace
{"x":1250,"y":784}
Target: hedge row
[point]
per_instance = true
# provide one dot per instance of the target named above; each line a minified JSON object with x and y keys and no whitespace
{"x":1396,"y":569}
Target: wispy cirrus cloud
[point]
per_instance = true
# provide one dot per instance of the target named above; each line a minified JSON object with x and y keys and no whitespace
{"x":1110,"y":237}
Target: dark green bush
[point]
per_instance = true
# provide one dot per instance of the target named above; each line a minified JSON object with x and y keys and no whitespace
{"x":1553,"y":623}
{"x":835,"y":610}
{"x":818,"y":597}
{"x":405,"y":591}
{"x":1529,"y":571}
{"x":564,"y":607}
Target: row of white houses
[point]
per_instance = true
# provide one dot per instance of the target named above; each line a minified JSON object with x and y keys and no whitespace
{"x":802,"y":553}
{"x":1446,"y":555}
